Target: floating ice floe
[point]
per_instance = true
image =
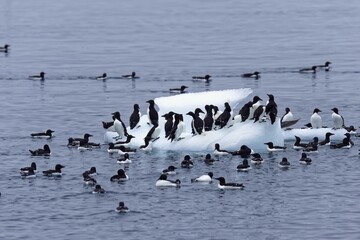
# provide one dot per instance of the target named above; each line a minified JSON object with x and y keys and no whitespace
{"x":231,"y":138}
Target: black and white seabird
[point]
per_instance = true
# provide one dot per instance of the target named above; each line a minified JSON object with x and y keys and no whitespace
{"x":244,"y":166}
{"x":218,"y":151}
{"x":197,"y":124}
{"x":54,"y":172}
{"x":338,"y":120}
{"x":122,"y":208}
{"x":26,"y":169}
{"x":47,"y":134}
{"x":243,"y":152}
{"x":5,"y":49}
{"x":315,"y":119}
{"x":187,"y":163}
{"x":224,"y":185}
{"x":164,"y":182}
{"x":120,"y":176}
{"x":178,"y":90}
{"x":259,"y":113}
{"x":135,"y":116}
{"x":206,"y":78}
{"x":38,"y":77}
{"x":312,"y":147}
{"x":298,"y":144}
{"x":326,"y":141}
{"x":169,"y":123}
{"x":130,"y":76}
{"x":245,"y":111}
{"x":284,"y":163}
{"x":272,"y":148}
{"x":119,"y":125}
{"x":206,"y":178}
{"x":256,"y":102}
{"x":305,"y":159}
{"x":152,"y":113}
{"x":223,"y":119}
{"x":177,"y":129}
{"x":102,"y":77}
{"x":45,"y":151}
{"x":255,"y":75}
{"x":208,"y":119}
{"x":271,"y":108}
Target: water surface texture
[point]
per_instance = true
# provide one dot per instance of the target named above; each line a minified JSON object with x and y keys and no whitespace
{"x":166,"y":43}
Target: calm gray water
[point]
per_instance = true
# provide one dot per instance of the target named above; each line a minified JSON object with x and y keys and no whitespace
{"x":167,"y":42}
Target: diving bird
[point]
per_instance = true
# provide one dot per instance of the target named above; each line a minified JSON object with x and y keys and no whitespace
{"x":259,"y":113}
{"x":206,"y":78}
{"x":315,"y":119}
{"x":47,"y":134}
{"x":305,"y":159}
{"x":326,"y":141}
{"x":256,"y":159}
{"x":208,"y":119}
{"x":54,"y":172}
{"x":243,"y":152}
{"x":130,"y":76}
{"x":244,"y":166}
{"x":102,"y":77}
{"x":298,"y":144}
{"x":284,"y":163}
{"x":219,"y":151}
{"x":164,"y":182}
{"x":152,"y":113}
{"x":255,"y":75}
{"x":119,"y":125}
{"x":169,"y":123}
{"x":245,"y":111}
{"x":122,"y":208}
{"x":206,"y":178}
{"x":338,"y":120}
{"x":45,"y":151}
{"x":26,"y":169}
{"x":256,"y":102}
{"x":178,"y":90}
{"x":271,"y":108}
{"x":197,"y":124}
{"x":120,"y":176}
{"x":5,"y":49}
{"x":272,"y":148}
{"x":224,"y":185}
{"x":223,"y":119}
{"x":177,"y":128}
{"x":38,"y":77}
{"x":135,"y":117}
{"x":170,"y":170}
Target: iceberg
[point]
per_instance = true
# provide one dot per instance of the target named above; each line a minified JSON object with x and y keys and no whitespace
{"x":230,"y":138}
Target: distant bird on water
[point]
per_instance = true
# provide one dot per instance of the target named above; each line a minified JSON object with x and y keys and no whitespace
{"x":5,"y":49}
{"x":102,"y":77}
{"x":178,"y":90}
{"x":206,"y":78}
{"x":41,"y":76}
{"x":255,"y":75}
